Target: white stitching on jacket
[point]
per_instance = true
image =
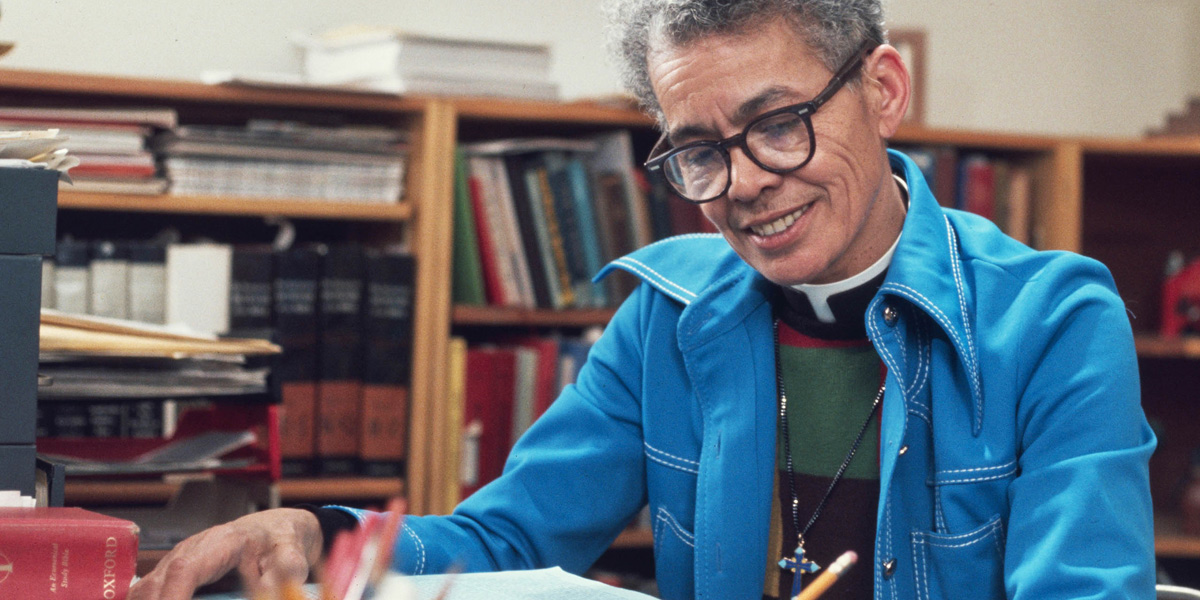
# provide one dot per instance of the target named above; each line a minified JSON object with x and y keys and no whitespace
{"x":637,"y":270}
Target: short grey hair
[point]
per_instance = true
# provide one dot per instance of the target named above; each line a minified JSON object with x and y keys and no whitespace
{"x":834,"y":29}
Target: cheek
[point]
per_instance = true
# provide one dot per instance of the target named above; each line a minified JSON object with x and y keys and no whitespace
{"x":715,"y":212}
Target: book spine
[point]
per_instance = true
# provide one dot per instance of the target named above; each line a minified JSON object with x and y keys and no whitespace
{"x":514,"y":173}
{"x":467,"y":285}
{"x":295,"y":304}
{"x":147,"y":282}
{"x":339,"y":387}
{"x":109,"y":279}
{"x":66,"y":559}
{"x":553,"y":258}
{"x":72,"y":282}
{"x":387,"y":366}
{"x":252,"y":275}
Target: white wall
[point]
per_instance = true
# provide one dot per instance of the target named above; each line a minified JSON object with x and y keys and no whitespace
{"x":1097,"y":67}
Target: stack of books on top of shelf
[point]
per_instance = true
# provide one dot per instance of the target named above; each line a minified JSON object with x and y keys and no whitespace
{"x":997,"y":187}
{"x":392,"y":61}
{"x":110,"y":144}
{"x":341,"y":313}
{"x":535,"y":219}
{"x":287,"y":160}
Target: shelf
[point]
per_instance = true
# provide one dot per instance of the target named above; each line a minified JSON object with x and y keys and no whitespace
{"x":346,"y":489}
{"x":1170,"y":541}
{"x":1154,"y":346}
{"x":291,"y":491}
{"x":590,"y":113}
{"x":635,"y":537}
{"x":911,"y":134}
{"x":507,"y":317}
{"x":224,"y":205}
{"x":171,"y":91}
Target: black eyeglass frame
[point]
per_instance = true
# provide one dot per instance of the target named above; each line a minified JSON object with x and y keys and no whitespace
{"x":804,"y":110}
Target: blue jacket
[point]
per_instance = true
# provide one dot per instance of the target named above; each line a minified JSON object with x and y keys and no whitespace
{"x":1013,"y":444}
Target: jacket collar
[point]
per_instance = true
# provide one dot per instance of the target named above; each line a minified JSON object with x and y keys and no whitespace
{"x":927,"y":271}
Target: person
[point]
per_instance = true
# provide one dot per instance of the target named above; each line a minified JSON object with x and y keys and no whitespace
{"x":846,"y":365}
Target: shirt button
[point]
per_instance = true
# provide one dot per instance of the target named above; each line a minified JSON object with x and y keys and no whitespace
{"x":890,"y":316}
{"x":903,"y":450}
{"x":889,"y":568}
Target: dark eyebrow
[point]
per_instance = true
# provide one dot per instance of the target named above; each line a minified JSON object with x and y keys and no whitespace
{"x":745,"y":111}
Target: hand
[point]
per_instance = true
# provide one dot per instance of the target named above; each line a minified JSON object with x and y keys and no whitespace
{"x":267,"y":548}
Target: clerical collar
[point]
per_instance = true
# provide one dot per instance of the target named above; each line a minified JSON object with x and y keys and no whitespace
{"x":835,"y":310}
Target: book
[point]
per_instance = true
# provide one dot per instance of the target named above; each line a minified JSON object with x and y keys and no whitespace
{"x":147,"y":280}
{"x":65,"y":553}
{"x":252,"y":277}
{"x":977,"y":191}
{"x":197,"y":286}
{"x":467,"y":285}
{"x":297,"y":271}
{"x":72,"y":279}
{"x":339,"y":378}
{"x":537,"y":182}
{"x":108,"y":271}
{"x":387,"y":364}
{"x":47,"y":282}
{"x":488,"y":174}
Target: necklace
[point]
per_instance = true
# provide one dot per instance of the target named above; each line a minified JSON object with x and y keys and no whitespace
{"x":798,"y":564}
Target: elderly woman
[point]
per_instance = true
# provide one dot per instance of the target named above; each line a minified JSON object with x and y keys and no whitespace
{"x":847,"y":365}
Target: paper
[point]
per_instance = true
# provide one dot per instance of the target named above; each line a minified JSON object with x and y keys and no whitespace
{"x":540,"y":584}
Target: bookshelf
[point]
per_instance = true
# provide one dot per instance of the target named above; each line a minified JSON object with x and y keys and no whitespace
{"x":1125,"y":202}
{"x":240,"y":220}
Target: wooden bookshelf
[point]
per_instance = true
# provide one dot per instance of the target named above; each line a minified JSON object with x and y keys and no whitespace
{"x":495,"y":316}
{"x":228,"y":206}
{"x":291,"y":491}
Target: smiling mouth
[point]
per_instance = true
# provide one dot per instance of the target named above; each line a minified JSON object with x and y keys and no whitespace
{"x":781,"y":224}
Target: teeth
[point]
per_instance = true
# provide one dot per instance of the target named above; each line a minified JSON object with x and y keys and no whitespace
{"x":779,"y":224}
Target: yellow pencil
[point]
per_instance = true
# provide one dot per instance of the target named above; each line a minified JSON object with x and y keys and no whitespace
{"x":818,"y":586}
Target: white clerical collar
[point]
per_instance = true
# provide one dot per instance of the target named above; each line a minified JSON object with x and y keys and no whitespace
{"x":818,"y":294}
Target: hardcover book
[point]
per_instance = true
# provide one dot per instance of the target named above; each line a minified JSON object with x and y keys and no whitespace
{"x":65,"y":553}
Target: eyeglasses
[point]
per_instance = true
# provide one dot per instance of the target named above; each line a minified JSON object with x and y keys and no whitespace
{"x":779,"y":141}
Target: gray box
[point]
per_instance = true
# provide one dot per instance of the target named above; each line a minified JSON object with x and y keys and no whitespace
{"x":20,"y":292}
{"x":18,"y":470}
{"x":28,"y":211}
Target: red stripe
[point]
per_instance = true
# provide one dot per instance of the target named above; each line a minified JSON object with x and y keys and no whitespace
{"x":795,"y":339}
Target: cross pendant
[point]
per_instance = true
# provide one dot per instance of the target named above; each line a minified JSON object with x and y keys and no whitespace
{"x":798,"y":566}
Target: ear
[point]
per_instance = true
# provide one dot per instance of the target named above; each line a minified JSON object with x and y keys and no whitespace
{"x":891,"y":89}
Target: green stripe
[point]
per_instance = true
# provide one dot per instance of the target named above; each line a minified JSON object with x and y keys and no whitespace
{"x":829,"y":392}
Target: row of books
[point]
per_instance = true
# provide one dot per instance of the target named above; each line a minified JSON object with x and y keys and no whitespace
{"x":997,"y":187}
{"x":341,"y":312}
{"x":500,"y":388}
{"x":146,"y":151}
{"x":535,"y":219}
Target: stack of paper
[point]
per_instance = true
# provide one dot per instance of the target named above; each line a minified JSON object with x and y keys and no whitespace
{"x":388,"y":60}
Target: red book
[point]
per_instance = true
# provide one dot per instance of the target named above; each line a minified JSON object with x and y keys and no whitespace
{"x":66,"y":554}
{"x":488,"y":254}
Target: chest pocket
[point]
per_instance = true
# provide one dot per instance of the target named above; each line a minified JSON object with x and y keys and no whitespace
{"x":672,"y":515}
{"x":945,"y":565}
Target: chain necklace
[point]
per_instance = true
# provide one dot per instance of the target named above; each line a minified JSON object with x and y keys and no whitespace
{"x":799,"y":564}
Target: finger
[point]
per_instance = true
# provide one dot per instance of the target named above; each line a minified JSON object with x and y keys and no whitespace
{"x":202,"y":559}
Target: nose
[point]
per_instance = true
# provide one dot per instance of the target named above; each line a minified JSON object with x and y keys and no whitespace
{"x":747,"y":180}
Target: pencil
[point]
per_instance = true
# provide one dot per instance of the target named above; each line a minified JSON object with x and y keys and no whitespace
{"x":818,"y":586}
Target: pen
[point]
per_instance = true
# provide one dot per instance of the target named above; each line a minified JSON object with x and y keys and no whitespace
{"x":818,"y":586}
